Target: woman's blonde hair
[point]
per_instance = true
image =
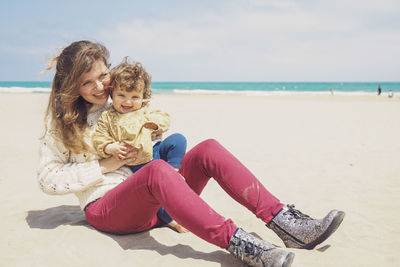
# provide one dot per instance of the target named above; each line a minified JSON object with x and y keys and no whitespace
{"x":67,"y":110}
{"x":131,"y":77}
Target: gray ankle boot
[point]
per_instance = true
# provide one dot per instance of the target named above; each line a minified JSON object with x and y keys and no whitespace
{"x":256,"y":252}
{"x":298,"y":230}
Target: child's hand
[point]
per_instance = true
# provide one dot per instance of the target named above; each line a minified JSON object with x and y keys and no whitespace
{"x":151,"y":126}
{"x":117,"y":149}
{"x":177,"y":227}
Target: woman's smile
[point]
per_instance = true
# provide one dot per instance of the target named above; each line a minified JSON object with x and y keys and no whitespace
{"x":101,"y":94}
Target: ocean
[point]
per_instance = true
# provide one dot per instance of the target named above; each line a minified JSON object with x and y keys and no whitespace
{"x":240,"y":88}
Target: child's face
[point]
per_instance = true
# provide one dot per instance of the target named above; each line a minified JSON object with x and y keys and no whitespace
{"x":124,"y":101}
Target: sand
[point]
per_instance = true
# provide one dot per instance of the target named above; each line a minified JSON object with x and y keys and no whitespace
{"x":317,"y":152}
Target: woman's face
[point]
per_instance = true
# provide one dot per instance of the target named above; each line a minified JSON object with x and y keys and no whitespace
{"x":94,"y":84}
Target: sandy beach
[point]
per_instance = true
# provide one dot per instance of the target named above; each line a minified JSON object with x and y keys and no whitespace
{"x":317,"y":152}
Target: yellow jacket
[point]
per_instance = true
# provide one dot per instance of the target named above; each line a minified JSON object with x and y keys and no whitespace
{"x":129,"y":128}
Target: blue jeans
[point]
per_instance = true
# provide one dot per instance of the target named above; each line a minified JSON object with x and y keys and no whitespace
{"x":171,"y":149}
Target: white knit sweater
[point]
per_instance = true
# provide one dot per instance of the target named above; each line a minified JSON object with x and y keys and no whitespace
{"x":62,"y":172}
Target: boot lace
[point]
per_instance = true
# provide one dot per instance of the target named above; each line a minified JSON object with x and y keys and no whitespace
{"x":243,"y":248}
{"x":297,"y":215}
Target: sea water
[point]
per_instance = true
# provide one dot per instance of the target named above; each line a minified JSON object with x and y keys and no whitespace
{"x":242,"y":88}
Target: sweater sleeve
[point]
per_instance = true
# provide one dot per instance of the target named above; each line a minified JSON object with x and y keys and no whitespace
{"x":57,"y":175}
{"x":161,"y":119}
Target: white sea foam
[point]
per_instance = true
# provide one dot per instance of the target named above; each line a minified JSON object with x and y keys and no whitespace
{"x":24,"y":90}
{"x":268,"y":93}
{"x":211,"y":92}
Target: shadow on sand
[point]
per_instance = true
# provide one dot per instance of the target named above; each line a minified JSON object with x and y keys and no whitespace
{"x":51,"y":218}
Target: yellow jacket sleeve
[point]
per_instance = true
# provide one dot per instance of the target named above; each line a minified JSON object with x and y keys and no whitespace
{"x":103,"y":134}
{"x":158,"y":117}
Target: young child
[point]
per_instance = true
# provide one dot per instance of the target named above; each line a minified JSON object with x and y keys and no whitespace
{"x":131,"y":121}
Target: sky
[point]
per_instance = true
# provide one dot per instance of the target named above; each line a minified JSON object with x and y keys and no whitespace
{"x":211,"y":40}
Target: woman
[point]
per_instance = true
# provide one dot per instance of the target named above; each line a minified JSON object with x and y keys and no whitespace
{"x":116,"y":201}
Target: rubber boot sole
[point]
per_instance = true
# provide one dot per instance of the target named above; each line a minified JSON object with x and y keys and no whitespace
{"x":289,"y":259}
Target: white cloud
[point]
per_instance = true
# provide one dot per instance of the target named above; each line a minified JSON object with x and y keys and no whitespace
{"x":265,"y":40}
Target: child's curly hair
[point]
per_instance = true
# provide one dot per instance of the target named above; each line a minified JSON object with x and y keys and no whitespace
{"x":131,"y":77}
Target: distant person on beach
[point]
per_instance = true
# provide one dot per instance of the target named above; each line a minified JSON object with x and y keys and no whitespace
{"x":117,"y":201}
{"x":390,"y":94}
{"x":331,"y":91}
{"x":130,"y":121}
{"x":379,"y":90}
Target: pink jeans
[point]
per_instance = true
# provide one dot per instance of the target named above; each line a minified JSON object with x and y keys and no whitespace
{"x":132,"y":205}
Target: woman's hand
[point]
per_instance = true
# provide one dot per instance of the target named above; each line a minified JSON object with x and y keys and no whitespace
{"x":113,"y":163}
{"x":117,"y":149}
{"x":131,"y":154}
